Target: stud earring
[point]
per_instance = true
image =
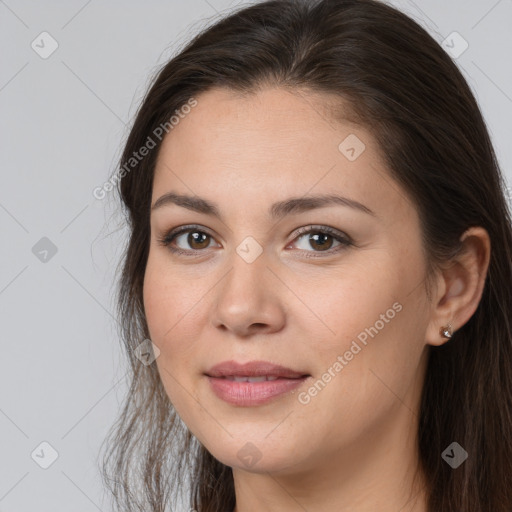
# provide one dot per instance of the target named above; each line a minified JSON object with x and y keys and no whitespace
{"x":446,"y":331}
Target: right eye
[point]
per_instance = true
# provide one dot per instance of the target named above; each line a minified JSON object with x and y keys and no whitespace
{"x":196,"y":239}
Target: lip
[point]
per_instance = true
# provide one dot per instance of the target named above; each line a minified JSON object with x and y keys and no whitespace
{"x":247,"y":394}
{"x":252,"y":369}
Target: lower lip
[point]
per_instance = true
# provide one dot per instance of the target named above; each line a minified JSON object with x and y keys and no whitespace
{"x":252,"y":393}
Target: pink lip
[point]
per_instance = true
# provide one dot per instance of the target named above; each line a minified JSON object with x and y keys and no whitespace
{"x":252,"y":393}
{"x":252,"y":369}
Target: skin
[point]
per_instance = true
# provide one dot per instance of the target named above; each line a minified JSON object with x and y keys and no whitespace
{"x":352,"y":447}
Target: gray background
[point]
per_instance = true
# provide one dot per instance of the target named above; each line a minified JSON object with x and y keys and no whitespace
{"x":63,"y":121}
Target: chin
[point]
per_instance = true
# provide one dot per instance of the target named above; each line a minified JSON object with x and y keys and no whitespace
{"x":256,"y":457}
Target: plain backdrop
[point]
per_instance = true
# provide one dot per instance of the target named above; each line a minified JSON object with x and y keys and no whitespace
{"x":71,"y":77}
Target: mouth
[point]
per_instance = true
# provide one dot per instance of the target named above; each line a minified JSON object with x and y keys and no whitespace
{"x":253,"y":383}
{"x":242,"y":378}
{"x":262,"y":370}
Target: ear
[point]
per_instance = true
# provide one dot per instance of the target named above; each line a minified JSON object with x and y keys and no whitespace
{"x":460,"y":285}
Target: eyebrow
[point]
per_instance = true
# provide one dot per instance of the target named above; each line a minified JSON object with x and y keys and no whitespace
{"x":276,"y":211}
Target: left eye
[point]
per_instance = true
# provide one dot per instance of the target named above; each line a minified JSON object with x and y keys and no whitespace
{"x":321,"y":239}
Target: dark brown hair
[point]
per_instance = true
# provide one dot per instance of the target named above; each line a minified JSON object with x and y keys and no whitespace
{"x":402,"y":86}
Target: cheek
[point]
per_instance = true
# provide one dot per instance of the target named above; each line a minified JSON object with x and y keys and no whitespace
{"x":172,"y":307}
{"x":367,"y":332}
{"x":160,"y":306}
{"x":170,"y":317}
{"x":166,"y":300}
{"x":341,"y":307}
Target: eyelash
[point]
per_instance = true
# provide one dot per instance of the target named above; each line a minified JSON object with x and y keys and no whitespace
{"x":344,"y":240}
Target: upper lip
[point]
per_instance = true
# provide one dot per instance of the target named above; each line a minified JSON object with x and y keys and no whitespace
{"x":252,"y":369}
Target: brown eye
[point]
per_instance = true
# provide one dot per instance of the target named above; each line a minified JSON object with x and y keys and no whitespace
{"x":197,"y":239}
{"x":186,"y":240}
{"x":321,"y":239}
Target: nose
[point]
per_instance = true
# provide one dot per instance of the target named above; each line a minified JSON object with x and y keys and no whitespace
{"x":249,"y":298}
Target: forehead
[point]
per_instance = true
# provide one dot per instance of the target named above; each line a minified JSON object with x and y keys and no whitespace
{"x":270,"y":110}
{"x":266,"y":129}
{"x":272,"y":143}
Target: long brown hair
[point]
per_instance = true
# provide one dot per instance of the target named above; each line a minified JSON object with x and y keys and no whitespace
{"x":408,"y":92}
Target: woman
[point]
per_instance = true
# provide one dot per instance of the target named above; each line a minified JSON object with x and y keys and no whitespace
{"x":320,"y":260}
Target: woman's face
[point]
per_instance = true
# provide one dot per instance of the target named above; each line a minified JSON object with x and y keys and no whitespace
{"x":250,"y":286}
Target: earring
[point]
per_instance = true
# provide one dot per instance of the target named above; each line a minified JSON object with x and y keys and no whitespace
{"x":446,"y":331}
